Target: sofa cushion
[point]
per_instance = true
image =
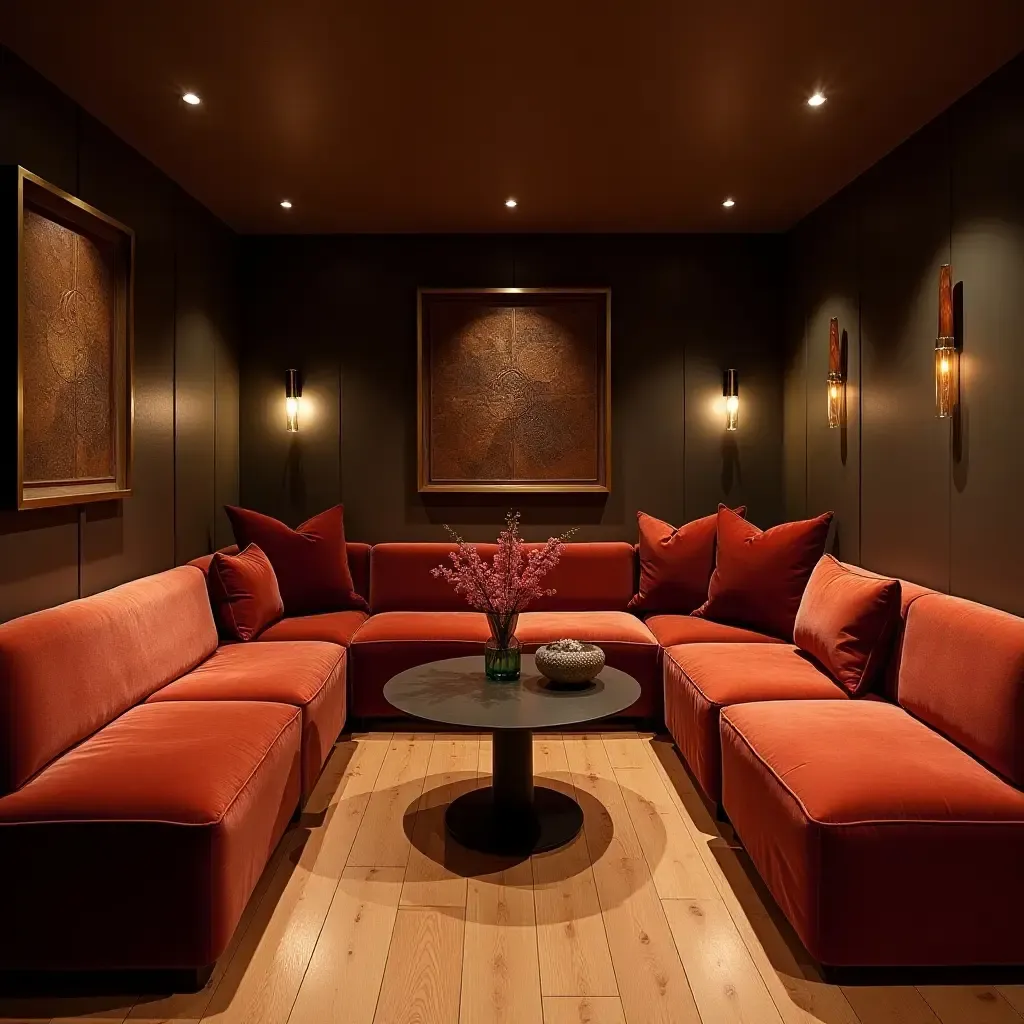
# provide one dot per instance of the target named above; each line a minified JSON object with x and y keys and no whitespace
{"x":627,"y":643}
{"x":67,"y":671}
{"x":676,"y":563}
{"x":859,"y":818}
{"x":962,"y":672}
{"x":760,"y":575}
{"x":846,"y":621}
{"x":391,"y":642}
{"x":671,"y":630}
{"x":701,"y":679}
{"x":306,"y":674}
{"x":332,"y":627}
{"x":243,"y":593}
{"x":597,"y":577}
{"x":311,"y":562}
{"x":168,"y":814}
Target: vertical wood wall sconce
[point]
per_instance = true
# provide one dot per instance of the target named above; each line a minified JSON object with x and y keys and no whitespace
{"x":947,"y":358}
{"x":731,"y":391}
{"x":292,"y":394}
{"x":836,"y":381}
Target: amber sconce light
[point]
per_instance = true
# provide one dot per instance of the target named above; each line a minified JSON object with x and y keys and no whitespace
{"x":947,"y":358}
{"x":836,"y":382}
{"x":292,"y":399}
{"x":731,"y":391}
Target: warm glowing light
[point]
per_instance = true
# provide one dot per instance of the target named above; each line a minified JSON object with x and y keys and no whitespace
{"x":947,"y":357}
{"x":511,"y":204}
{"x":286,"y":204}
{"x":944,"y":367}
{"x":292,"y":396}
{"x":192,"y":99}
{"x":729,"y":203}
{"x":731,"y":392}
{"x":816,"y":100}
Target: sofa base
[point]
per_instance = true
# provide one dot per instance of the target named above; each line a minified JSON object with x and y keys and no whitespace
{"x":904,"y":976}
{"x":46,"y":984}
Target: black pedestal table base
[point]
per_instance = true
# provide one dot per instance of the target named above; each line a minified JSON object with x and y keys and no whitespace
{"x":512,"y":816}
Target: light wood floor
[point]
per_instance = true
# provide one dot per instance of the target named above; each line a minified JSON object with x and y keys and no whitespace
{"x":652,"y":915}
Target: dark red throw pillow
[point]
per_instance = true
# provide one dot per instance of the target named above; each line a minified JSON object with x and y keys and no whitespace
{"x":244,"y":593}
{"x":311,"y":562}
{"x":675,"y":563}
{"x":760,"y":575}
{"x":846,"y":621}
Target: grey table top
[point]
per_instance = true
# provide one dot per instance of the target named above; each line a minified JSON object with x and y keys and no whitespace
{"x":456,"y":692}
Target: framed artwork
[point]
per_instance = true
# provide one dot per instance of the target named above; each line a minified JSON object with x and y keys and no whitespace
{"x":69,"y":280}
{"x":514,"y":390}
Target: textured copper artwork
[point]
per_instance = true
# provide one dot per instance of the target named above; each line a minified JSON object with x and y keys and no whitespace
{"x":514,"y":390}
{"x":67,"y":367}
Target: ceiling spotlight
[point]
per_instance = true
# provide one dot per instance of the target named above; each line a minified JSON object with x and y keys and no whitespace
{"x":511,"y":204}
{"x":816,"y":100}
{"x":728,"y":203}
{"x":286,"y":204}
{"x":192,"y":99}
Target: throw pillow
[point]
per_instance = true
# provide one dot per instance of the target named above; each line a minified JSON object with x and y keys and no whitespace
{"x":846,"y":621}
{"x":311,"y":562}
{"x":760,"y":575}
{"x":675,"y":564}
{"x":244,"y":593}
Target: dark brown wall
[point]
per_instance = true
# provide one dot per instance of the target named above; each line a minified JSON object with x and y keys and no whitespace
{"x":185,"y":366}
{"x":912,"y":497}
{"x":342,"y":309}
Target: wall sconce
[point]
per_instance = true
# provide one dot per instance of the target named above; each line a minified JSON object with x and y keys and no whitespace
{"x":836,"y":384}
{"x":731,"y":391}
{"x":947,"y":358}
{"x":292,"y":395}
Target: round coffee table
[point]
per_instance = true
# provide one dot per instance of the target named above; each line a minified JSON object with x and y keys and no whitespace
{"x":512,"y":815}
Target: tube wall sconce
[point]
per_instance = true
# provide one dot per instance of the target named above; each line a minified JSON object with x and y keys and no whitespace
{"x":292,"y":395}
{"x":836,"y":383}
{"x":947,"y":358}
{"x":731,"y":391}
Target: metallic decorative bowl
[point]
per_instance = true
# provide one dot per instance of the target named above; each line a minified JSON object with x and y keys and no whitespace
{"x":569,"y":661}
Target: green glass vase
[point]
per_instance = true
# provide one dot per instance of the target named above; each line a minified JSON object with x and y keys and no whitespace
{"x":502,"y":654}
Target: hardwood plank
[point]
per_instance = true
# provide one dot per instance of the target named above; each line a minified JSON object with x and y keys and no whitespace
{"x":343,"y":980}
{"x":587,"y":1010}
{"x":264,"y":976}
{"x":1014,"y":995}
{"x":112,"y":1009}
{"x":725,"y":982}
{"x":969,"y":1004}
{"x":677,"y":868}
{"x":624,"y":749}
{"x":500,"y":969}
{"x":381,"y":840}
{"x":422,"y":978}
{"x":889,"y":1004}
{"x":436,"y":873}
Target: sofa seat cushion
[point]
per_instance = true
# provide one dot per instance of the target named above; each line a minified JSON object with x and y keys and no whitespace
{"x":391,"y":642}
{"x":671,"y":630}
{"x":330,"y":627}
{"x":863,"y":822}
{"x":305,"y":674}
{"x":168,"y":814}
{"x":701,"y":679}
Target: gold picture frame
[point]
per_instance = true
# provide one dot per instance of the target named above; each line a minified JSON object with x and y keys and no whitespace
{"x":514,"y":403}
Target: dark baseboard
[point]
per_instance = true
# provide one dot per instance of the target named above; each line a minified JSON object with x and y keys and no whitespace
{"x":982,"y":975}
{"x":98,"y":983}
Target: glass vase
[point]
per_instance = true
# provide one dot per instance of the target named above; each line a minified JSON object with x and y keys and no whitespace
{"x":501,"y":664}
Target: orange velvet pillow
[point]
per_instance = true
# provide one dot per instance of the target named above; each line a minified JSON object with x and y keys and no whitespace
{"x":244,"y":593}
{"x":846,"y":621}
{"x":311,"y":563}
{"x":675,"y":563}
{"x":760,"y":575}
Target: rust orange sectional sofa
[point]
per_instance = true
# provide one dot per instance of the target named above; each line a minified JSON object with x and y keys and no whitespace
{"x":147,"y":769}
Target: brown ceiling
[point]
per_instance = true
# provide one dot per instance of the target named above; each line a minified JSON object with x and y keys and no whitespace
{"x":424,"y":115}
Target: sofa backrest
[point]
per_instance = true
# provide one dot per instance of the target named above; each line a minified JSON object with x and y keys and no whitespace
{"x":358,"y":564}
{"x":963,"y":674}
{"x":589,"y":577}
{"x":67,"y":671}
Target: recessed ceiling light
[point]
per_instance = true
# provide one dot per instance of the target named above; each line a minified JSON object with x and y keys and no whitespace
{"x":192,"y":99}
{"x":727,"y":203}
{"x":511,"y":204}
{"x":286,"y":204}
{"x":816,"y":100}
